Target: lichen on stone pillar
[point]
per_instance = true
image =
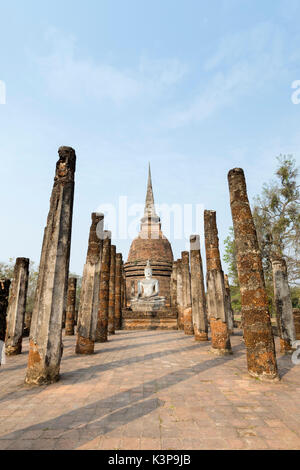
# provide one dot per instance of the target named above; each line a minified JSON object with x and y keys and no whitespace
{"x":112,"y":291}
{"x":258,"y":335}
{"x":199,"y":308}
{"x":45,"y":342}
{"x":186,"y":290}
{"x":89,"y":296}
{"x":283,"y":306}
{"x":102,"y":322}
{"x":118,"y":292}
{"x":229,"y":310}
{"x":216,"y":294}
{"x":16,"y":308}
{"x":71,"y":307}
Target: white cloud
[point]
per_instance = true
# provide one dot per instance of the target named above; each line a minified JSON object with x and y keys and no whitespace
{"x":75,"y":78}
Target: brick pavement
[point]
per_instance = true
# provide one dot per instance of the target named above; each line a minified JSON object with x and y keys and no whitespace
{"x":150,"y":390}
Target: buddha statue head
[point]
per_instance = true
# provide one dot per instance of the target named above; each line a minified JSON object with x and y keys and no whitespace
{"x":148,"y":270}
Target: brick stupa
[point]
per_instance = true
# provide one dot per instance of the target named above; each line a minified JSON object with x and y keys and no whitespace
{"x":152,"y":245}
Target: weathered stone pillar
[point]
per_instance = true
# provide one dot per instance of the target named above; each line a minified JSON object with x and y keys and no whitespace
{"x":71,"y":307}
{"x":118,"y":292}
{"x":180,"y":307}
{"x":102,"y":322}
{"x":283,"y":305}
{"x":173,"y":285}
{"x":16,"y":308}
{"x":199,"y":309}
{"x":229,"y":310}
{"x":45,"y":349}
{"x":258,"y":333}
{"x":296,"y":315}
{"x":216,"y":294}
{"x":89,"y":296}
{"x":4,"y":294}
{"x":187,"y":297}
{"x":112,"y":291}
{"x":27,"y":324}
{"x":124,"y":290}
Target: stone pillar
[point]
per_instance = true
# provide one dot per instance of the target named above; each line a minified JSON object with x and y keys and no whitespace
{"x":45,"y":350}
{"x":124,"y":290}
{"x":187,"y":297}
{"x":4,"y":294}
{"x":16,"y":308}
{"x":112,"y":291}
{"x":102,"y":321}
{"x":283,"y":305}
{"x":180,"y":295}
{"x":296,"y":315}
{"x":27,"y":324}
{"x":71,"y":307}
{"x":89,"y":296}
{"x":230,"y":317}
{"x":258,"y":333}
{"x":118,"y":292}
{"x":216,"y":294}
{"x":173,"y":285}
{"x":199,"y":309}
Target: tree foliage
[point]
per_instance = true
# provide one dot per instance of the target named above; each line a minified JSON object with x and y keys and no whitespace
{"x":276,"y":215}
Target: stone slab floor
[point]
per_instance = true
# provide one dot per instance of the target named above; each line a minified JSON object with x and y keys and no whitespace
{"x":150,"y":390}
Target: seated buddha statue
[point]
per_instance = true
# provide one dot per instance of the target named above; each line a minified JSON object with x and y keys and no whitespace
{"x":148,"y":287}
{"x":148,"y":292}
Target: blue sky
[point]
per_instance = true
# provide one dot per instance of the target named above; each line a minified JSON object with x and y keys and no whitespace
{"x":194,"y":87}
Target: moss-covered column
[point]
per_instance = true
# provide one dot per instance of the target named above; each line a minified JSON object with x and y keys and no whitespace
{"x":102,"y":321}
{"x":71,"y":307}
{"x":4,"y":294}
{"x":284,"y":307}
{"x":118,"y":292}
{"x":89,"y":296}
{"x":199,"y":309}
{"x":45,"y":349}
{"x":216,"y":294}
{"x":187,"y":298}
{"x":112,"y":291}
{"x":16,"y":308}
{"x":258,"y":333}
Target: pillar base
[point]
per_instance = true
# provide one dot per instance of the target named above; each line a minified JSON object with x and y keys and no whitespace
{"x":264,"y":377}
{"x":220,"y":338}
{"x":13,"y":350}
{"x":285,"y":347}
{"x":37,"y":372}
{"x":101,"y":340}
{"x":200,"y":336}
{"x":84,"y":346}
{"x":221,"y":352}
{"x":188,"y":322}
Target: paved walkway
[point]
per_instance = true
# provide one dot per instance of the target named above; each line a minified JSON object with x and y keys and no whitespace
{"x":150,"y":390}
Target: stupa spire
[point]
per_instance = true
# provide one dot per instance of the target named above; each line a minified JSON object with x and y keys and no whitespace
{"x":149,"y":205}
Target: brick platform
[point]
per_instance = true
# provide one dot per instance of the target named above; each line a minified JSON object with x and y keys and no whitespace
{"x":165,"y":319}
{"x":150,"y":390}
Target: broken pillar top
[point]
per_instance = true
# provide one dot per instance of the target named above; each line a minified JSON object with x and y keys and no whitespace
{"x":65,"y":167}
{"x":237,"y":186}
{"x":195,"y":242}
{"x":22,"y":261}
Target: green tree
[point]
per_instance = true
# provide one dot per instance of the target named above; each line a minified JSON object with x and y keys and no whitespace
{"x":229,"y":257}
{"x":276,"y":215}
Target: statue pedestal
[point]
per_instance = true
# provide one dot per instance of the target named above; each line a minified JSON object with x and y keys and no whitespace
{"x":164,"y":318}
{"x":147,"y":305}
